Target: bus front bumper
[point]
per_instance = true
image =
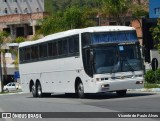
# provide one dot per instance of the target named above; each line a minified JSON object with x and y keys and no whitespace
{"x":119,"y":84}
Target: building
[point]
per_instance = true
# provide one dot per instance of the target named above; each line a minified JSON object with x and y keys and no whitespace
{"x":147,"y":24}
{"x":154,"y":8}
{"x":19,"y":17}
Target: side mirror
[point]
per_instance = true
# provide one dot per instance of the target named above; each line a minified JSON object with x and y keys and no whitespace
{"x":91,"y":55}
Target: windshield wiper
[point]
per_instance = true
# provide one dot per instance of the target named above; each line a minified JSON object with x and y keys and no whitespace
{"x":131,"y":68}
{"x":116,"y":60}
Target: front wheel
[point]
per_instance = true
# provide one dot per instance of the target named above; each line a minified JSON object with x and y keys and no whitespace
{"x":121,"y":93}
{"x":80,"y":90}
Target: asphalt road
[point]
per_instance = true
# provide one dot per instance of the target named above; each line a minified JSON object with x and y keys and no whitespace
{"x":133,"y":102}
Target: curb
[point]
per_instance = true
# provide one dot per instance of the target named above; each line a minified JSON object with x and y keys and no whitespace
{"x":11,"y":93}
{"x":146,"y":90}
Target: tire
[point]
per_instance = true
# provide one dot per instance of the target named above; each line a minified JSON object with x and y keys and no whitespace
{"x":39,"y":90}
{"x":80,"y":90}
{"x":34,"y":91}
{"x":7,"y":90}
{"x":121,"y":93}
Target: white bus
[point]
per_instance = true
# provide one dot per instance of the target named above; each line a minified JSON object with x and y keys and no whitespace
{"x":81,"y":61}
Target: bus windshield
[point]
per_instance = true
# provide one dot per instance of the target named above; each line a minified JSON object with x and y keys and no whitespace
{"x":117,"y":58}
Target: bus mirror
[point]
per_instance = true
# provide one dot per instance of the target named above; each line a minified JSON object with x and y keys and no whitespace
{"x":91,"y":55}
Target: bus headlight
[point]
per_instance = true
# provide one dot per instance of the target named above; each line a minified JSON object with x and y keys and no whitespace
{"x":105,"y":86}
{"x":139,"y":82}
{"x":101,"y":79}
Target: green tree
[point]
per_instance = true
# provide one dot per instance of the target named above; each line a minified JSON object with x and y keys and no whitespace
{"x":156,"y":35}
{"x":52,"y":25}
{"x":117,"y":9}
{"x":73,"y":17}
{"x":3,"y":36}
{"x":20,"y":39}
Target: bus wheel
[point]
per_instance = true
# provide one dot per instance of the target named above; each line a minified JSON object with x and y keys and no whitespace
{"x":121,"y":93}
{"x":80,"y":90}
{"x":34,"y":92}
{"x":39,"y":90}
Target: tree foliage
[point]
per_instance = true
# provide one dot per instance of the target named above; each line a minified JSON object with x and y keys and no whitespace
{"x":20,"y":39}
{"x":74,"y":17}
{"x":71,"y":14}
{"x":118,"y":9}
{"x":156,"y":35}
{"x":3,"y":36}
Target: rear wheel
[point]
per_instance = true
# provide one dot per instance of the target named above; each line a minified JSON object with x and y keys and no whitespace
{"x":39,"y":90}
{"x":34,"y":92}
{"x":80,"y":90}
{"x":121,"y":93}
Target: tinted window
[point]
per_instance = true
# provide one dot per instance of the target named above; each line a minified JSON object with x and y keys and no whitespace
{"x":71,"y":45}
{"x":21,"y":54}
{"x":34,"y":52}
{"x":59,"y":47}
{"x":52,"y":49}
{"x":43,"y":50}
{"x":65,"y":47}
{"x":27,"y":53}
{"x":76,"y":44}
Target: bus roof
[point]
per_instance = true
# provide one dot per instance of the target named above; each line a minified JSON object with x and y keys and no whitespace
{"x":77,"y":31}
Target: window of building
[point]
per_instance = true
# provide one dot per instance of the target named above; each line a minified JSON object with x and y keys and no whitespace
{"x":4,"y":0}
{"x":112,"y":23}
{"x":5,"y":11}
{"x":15,"y":10}
{"x":156,"y":10}
{"x":37,"y":9}
{"x":25,"y":10}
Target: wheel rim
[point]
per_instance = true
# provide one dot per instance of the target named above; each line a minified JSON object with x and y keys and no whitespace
{"x":39,"y":90}
{"x":80,"y":89}
{"x":33,"y":89}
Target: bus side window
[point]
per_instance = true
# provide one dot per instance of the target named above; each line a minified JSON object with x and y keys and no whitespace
{"x":60,"y":47}
{"x":21,"y":53}
{"x":27,"y":54}
{"x":55,"y":49}
{"x":43,"y":50}
{"x":65,"y":47}
{"x":76,"y":44}
{"x":71,"y":44}
{"x":34,"y":52}
{"x":50,"y":49}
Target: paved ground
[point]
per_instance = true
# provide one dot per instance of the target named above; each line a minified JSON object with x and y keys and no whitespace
{"x":133,"y":102}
